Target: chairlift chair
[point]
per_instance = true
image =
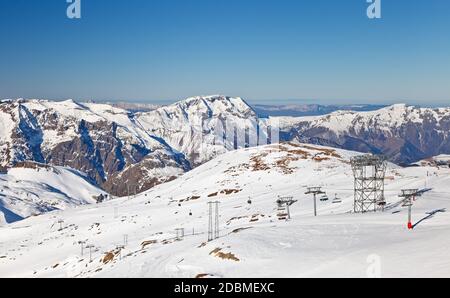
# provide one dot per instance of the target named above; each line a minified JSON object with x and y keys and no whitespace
{"x":324,"y":198}
{"x":382,"y":203}
{"x":336,"y":200}
{"x":406,"y":203}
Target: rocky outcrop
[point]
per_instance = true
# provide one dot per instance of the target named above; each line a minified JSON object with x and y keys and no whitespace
{"x":139,"y":177}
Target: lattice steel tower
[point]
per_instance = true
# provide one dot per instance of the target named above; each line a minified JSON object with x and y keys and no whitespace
{"x":369,"y":172}
{"x":213,"y":220}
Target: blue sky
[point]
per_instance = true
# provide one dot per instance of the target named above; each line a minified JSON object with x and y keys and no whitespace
{"x":320,"y":50}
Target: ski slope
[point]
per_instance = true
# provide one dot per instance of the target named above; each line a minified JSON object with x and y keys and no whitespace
{"x":255,"y":239}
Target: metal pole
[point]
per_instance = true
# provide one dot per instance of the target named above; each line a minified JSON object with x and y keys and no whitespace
{"x":82,"y":247}
{"x":217,"y":220}
{"x":60,"y":224}
{"x":119,"y":249}
{"x":409,"y":196}
{"x":90,"y":253}
{"x":410,"y":226}
{"x":315,"y":205}
{"x":315,"y":191}
{"x":210,"y":236}
{"x":211,"y":222}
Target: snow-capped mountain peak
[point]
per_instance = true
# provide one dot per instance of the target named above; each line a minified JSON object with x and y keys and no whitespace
{"x":214,"y":105}
{"x":186,"y":124}
{"x":404,"y":133}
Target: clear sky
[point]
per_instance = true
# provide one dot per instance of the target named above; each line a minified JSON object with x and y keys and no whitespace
{"x":324,"y":50}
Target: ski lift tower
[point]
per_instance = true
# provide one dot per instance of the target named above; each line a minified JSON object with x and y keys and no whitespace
{"x":132,"y":190}
{"x":409,"y":195}
{"x":213,"y":220}
{"x":285,"y":203}
{"x":369,"y":172}
{"x":315,"y":191}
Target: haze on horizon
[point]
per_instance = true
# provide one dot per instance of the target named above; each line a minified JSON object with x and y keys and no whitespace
{"x":321,"y":51}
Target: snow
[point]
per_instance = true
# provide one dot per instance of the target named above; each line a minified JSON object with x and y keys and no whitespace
{"x":51,"y":138}
{"x":435,"y":161}
{"x":258,"y":244}
{"x":67,"y":108}
{"x":385,"y":119}
{"x":72,"y":112}
{"x":254,"y":242}
{"x":187,"y":125}
{"x":217,"y":103}
{"x":6,"y":126}
{"x":442,"y":157}
{"x":25,"y":191}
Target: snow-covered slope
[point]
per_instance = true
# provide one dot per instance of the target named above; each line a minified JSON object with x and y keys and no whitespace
{"x":255,"y":238}
{"x":31,"y":189}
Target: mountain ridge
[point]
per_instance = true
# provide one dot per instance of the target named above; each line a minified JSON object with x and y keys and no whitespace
{"x":405,"y":134}
{"x":109,"y":143}
{"x":117,"y":147}
{"x":96,"y":139}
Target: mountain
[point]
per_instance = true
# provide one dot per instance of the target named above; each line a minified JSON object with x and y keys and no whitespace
{"x":97,"y":139}
{"x":405,"y":134}
{"x":190,"y":126}
{"x":300,"y":110}
{"x":256,"y":239}
{"x":31,"y":189}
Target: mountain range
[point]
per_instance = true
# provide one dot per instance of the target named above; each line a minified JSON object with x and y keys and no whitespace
{"x":301,"y":110}
{"x":404,"y":134}
{"x":126,"y":152}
